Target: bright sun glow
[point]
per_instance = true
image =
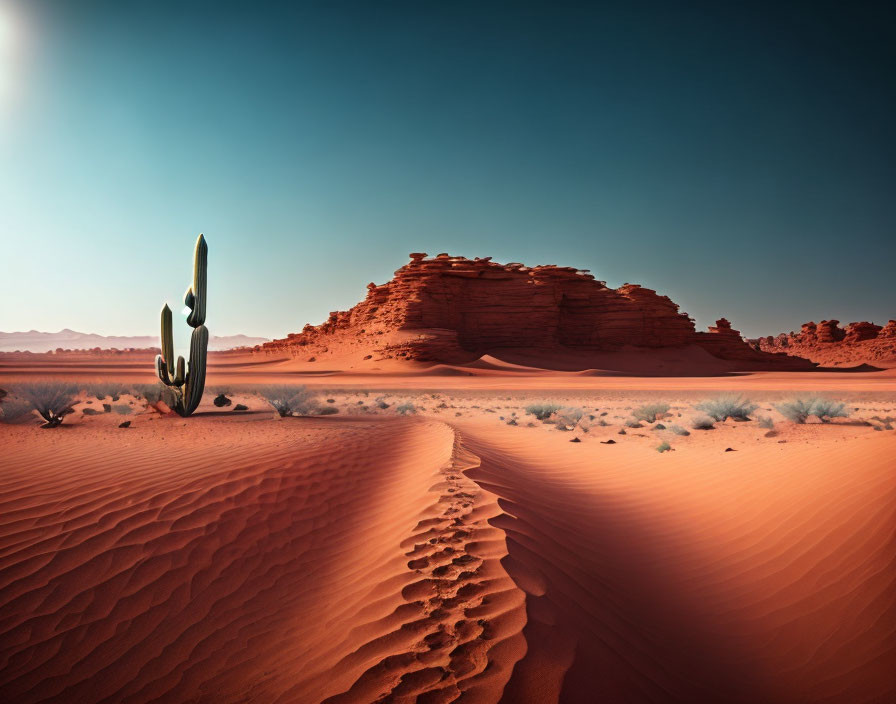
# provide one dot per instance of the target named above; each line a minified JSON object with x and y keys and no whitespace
{"x":10,"y":43}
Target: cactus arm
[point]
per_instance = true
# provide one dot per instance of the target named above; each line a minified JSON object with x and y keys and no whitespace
{"x":167,"y":336}
{"x":200,"y":270}
{"x":179,"y":375}
{"x":162,"y":370}
{"x":167,"y":356}
{"x":195,"y":383}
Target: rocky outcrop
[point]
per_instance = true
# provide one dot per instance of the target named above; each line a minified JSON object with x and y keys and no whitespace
{"x":857,"y":332}
{"x":828,"y":344}
{"x":453,"y":309}
{"x":725,"y":342}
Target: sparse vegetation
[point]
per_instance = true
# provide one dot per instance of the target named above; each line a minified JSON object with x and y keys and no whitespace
{"x":327,"y":411}
{"x":650,"y":412}
{"x":51,"y":399}
{"x":406,"y":408}
{"x":702,"y":422}
{"x":632,"y":423}
{"x":15,"y":410}
{"x":678,"y":430}
{"x":766,"y":423}
{"x":568,"y":418}
{"x":122,"y":409}
{"x":155,"y":395}
{"x":799,"y":409}
{"x":727,"y":406}
{"x":663,"y":447}
{"x":289,"y":400}
{"x":106,"y":389}
{"x":542,"y":410}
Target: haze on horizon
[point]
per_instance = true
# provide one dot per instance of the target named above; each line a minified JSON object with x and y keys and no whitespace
{"x":740,"y":160}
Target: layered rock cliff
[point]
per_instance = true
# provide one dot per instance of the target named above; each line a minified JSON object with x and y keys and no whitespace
{"x":453,"y":309}
{"x":828,"y":344}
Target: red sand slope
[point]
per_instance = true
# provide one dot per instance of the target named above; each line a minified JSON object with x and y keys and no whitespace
{"x":760,"y":576}
{"x":247,"y":560}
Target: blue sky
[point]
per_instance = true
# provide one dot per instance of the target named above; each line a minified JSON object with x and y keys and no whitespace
{"x":740,"y":160}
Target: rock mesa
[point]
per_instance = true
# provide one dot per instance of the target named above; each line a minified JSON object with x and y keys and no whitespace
{"x":454,"y":309}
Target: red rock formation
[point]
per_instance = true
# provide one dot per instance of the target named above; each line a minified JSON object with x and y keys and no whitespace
{"x":828,"y":344}
{"x":829,"y":331}
{"x":453,"y":309}
{"x":725,"y":342}
{"x":856,"y":332}
{"x":888,"y":330}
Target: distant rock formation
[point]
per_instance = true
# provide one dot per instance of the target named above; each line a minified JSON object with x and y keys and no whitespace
{"x":34,"y":341}
{"x":453,"y":309}
{"x":828,"y":344}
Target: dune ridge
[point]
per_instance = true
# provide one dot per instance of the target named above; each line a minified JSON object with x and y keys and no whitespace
{"x":236,"y":571}
{"x":466,"y":614}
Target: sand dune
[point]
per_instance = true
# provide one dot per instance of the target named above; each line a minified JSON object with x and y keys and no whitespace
{"x":238,"y":558}
{"x":709,"y":576}
{"x":249,"y":568}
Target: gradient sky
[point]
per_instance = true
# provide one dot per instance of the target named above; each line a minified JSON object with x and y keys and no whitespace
{"x":741,"y":160}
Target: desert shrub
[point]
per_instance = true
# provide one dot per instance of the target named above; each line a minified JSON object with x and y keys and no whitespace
{"x":51,"y":399}
{"x":122,"y":409}
{"x":289,"y":400}
{"x":15,"y":410}
{"x":663,"y":447}
{"x":702,"y":423}
{"x":105,"y":389}
{"x":767,"y":423}
{"x":155,"y":394}
{"x":678,"y":430}
{"x":799,"y":409}
{"x":542,"y":410}
{"x":381,"y":403}
{"x":659,"y":426}
{"x":727,"y":406}
{"x":650,"y":412}
{"x":406,"y":408}
{"x":568,"y":418}
{"x":327,"y":411}
{"x":632,"y":423}
{"x":91,"y":412}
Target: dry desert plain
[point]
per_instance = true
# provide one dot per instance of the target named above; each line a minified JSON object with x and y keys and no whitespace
{"x":449,"y":554}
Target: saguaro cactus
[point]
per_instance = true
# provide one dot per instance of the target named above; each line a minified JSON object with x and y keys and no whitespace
{"x":188,"y":381}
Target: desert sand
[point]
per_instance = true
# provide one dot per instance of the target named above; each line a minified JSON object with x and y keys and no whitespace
{"x":447,"y":555}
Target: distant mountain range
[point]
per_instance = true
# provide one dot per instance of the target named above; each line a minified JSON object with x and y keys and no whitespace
{"x":34,"y":341}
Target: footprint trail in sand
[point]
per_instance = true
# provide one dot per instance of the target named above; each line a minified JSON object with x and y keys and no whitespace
{"x":467,"y":633}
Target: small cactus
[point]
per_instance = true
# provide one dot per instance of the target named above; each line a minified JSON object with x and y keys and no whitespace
{"x":188,"y":382}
